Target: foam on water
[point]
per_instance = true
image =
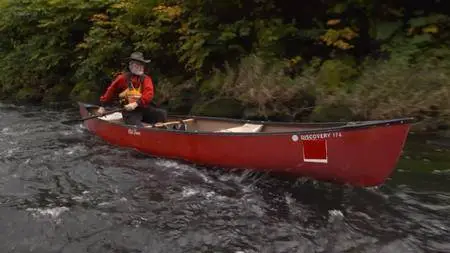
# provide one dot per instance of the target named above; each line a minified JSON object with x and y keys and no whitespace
{"x":52,"y":212}
{"x":102,"y":198}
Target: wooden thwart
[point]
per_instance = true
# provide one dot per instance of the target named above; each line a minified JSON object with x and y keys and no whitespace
{"x":173,"y":123}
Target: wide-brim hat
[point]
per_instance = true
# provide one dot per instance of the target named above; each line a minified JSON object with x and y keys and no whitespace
{"x":138,"y":56}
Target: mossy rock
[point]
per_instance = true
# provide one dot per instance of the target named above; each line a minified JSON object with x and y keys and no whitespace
{"x":251,"y":113}
{"x":445,"y":133}
{"x":281,"y":118}
{"x":85,"y":93}
{"x":57,"y":93}
{"x":183,"y":102}
{"x":223,"y":107}
{"x":28,"y":94}
{"x":179,"y":105}
{"x":332,"y":113}
{"x":5,"y":96}
{"x":212,"y":86}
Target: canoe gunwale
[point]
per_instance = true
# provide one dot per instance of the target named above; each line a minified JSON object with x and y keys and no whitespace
{"x":336,"y":126}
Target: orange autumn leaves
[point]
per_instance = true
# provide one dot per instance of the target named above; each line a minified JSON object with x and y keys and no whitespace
{"x":339,"y":38}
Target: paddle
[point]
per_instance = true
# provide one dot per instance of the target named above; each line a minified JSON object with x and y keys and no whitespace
{"x":92,"y":117}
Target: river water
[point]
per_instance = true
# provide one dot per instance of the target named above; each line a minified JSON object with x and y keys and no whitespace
{"x":64,"y":190}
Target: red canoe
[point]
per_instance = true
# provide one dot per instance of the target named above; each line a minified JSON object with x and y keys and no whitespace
{"x":356,"y":153}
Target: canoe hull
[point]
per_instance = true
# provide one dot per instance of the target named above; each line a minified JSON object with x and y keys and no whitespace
{"x":363,"y":156}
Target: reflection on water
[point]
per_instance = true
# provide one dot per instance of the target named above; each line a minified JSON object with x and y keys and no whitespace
{"x":63,"y":190}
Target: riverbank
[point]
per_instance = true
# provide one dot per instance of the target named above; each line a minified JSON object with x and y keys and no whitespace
{"x":259,"y":90}
{"x":254,"y":60}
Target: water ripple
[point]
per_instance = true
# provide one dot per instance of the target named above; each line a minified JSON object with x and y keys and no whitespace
{"x":64,"y":190}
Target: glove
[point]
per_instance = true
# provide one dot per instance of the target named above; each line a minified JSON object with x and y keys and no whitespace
{"x":131,"y":106}
{"x":100,"y":111}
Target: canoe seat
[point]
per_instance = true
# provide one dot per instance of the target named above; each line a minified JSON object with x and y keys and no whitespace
{"x":246,"y":128}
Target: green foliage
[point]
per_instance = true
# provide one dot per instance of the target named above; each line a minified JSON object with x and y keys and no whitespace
{"x":394,"y":89}
{"x":41,"y":36}
{"x":336,"y":74}
{"x":270,"y":57}
{"x":27,"y":94}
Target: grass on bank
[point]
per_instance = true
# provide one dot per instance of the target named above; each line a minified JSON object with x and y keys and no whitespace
{"x":335,"y":91}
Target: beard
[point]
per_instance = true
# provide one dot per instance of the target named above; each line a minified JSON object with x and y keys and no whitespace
{"x":136,"y":69}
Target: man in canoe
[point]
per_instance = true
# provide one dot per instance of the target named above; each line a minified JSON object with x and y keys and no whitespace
{"x":135,"y":91}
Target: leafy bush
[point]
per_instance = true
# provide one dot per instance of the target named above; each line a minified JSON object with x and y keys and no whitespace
{"x":329,"y":60}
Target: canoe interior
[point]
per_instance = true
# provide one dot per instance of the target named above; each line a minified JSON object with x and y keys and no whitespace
{"x":211,"y":124}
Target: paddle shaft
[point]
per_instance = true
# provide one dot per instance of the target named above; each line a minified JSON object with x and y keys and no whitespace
{"x":94,"y":116}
